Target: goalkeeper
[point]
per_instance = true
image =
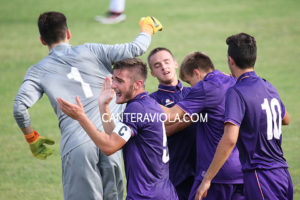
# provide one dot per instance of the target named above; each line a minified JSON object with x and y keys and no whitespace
{"x":87,"y":173}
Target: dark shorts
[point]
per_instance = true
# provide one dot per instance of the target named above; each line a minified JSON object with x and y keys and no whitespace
{"x":184,"y":188}
{"x":274,"y":184}
{"x":220,"y":191}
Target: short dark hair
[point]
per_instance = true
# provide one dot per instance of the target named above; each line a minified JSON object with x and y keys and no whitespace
{"x":156,"y":50}
{"x":52,"y":27}
{"x":195,"y":60}
{"x":242,"y":49}
{"x":136,"y":65}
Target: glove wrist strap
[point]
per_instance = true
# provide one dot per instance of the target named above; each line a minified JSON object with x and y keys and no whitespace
{"x":147,"y":28}
{"x":32,"y":137}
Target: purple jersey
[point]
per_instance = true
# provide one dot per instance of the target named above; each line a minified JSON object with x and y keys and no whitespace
{"x":254,"y":105}
{"x":207,"y":98}
{"x":182,"y":147}
{"x":146,"y":156}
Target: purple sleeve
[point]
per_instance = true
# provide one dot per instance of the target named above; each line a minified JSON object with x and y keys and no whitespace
{"x":283,"y":111}
{"x":194,"y":101}
{"x":234,"y":107}
{"x":129,"y":116}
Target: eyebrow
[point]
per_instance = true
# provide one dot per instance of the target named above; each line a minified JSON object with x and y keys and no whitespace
{"x":118,"y":79}
{"x":167,"y":59}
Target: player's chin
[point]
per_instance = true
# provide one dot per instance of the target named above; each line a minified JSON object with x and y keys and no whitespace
{"x":120,"y":100}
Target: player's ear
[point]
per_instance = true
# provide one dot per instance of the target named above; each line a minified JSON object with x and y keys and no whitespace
{"x":43,"y":41}
{"x":138,"y":84}
{"x":231,"y":61}
{"x":152,"y":74}
{"x":197,"y":73}
{"x":68,"y":34}
{"x":176,"y":64}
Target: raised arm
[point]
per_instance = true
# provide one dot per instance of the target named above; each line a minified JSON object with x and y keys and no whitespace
{"x":107,"y":143}
{"x":109,"y":54}
{"x":106,"y":95}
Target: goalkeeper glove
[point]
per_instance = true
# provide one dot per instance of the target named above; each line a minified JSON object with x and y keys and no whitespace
{"x":37,"y":145}
{"x":150,"y":25}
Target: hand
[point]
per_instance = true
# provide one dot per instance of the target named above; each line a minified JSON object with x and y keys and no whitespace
{"x":202,"y":189}
{"x":150,"y":25}
{"x":72,"y":110}
{"x":107,"y":93}
{"x":37,"y":145}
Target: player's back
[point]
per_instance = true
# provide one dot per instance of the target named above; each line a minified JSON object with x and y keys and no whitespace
{"x":68,"y":72}
{"x":260,"y":131}
{"x":207,"y":98}
{"x":146,"y":156}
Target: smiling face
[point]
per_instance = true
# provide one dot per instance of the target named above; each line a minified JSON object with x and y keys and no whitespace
{"x":123,"y":85}
{"x":163,"y":67}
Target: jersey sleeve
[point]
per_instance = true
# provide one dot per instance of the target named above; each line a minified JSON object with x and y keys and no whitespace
{"x":283,"y":110}
{"x":194,"y":101}
{"x":129,"y":117}
{"x":29,"y":93}
{"x":109,"y":54}
{"x":234,"y":107}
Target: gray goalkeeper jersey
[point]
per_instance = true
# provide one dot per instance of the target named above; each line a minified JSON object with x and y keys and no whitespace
{"x":68,"y":72}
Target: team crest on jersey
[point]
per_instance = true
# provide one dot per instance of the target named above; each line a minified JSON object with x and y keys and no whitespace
{"x":168,"y":102}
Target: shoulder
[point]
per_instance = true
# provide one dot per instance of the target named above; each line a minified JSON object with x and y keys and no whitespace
{"x":154,"y":95}
{"x":185,"y":91}
{"x":134,"y":106}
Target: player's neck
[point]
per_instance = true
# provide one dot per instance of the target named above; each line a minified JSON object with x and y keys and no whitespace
{"x":238,"y":72}
{"x":50,"y":47}
{"x":138,"y":92}
{"x":174,"y":82}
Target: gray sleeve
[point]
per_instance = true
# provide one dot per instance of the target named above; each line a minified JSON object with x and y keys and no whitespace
{"x":29,"y":93}
{"x":109,"y":54}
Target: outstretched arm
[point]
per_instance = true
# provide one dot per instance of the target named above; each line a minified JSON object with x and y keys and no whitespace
{"x":107,"y":143}
{"x":173,"y":114}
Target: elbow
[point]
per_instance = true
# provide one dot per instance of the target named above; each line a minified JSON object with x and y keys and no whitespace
{"x":108,"y":152}
{"x":21,"y":115}
{"x":286,"y":119}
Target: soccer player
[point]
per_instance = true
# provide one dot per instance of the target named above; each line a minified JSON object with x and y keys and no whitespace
{"x":67,"y":72}
{"x":207,"y":100}
{"x":142,"y":135}
{"x":115,"y":14}
{"x":181,"y":145}
{"x":253,"y":119}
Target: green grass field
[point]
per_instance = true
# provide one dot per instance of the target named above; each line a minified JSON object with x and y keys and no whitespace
{"x":190,"y":25}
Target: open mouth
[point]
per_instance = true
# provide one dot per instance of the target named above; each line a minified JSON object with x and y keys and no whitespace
{"x":166,"y":73}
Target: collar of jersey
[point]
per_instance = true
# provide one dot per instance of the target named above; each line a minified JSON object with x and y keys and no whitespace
{"x":139,"y":96}
{"x":246,"y":75}
{"x":59,"y":47}
{"x":172,"y":89}
{"x":211,"y":74}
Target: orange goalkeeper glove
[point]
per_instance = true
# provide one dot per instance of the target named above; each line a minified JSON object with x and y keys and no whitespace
{"x":37,"y":145}
{"x":150,"y":25}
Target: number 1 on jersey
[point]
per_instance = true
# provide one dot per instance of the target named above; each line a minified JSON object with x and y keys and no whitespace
{"x":273,"y":130}
{"x":165,"y":156}
{"x":75,"y":75}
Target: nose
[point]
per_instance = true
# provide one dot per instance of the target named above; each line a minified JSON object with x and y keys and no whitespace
{"x":164,"y":66}
{"x":113,"y":85}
